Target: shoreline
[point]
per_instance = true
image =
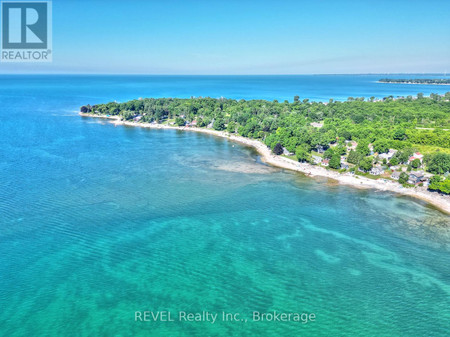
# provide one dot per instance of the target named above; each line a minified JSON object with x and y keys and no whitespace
{"x":413,"y":83}
{"x":439,"y":201}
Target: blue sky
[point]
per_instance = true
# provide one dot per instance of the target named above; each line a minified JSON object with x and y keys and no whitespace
{"x":247,"y":37}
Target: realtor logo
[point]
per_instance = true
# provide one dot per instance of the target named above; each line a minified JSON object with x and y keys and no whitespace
{"x":26,"y":31}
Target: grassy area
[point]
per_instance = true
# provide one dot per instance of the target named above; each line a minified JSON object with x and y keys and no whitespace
{"x":367,"y":175}
{"x":314,"y":153}
{"x":424,"y":149}
{"x":294,"y":158}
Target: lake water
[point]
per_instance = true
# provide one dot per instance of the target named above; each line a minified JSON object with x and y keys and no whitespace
{"x":97,"y":222}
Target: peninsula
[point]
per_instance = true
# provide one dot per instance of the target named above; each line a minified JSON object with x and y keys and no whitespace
{"x":399,"y":145}
{"x":436,"y":81}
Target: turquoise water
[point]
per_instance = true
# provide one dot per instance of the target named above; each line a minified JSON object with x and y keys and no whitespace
{"x":97,"y":222}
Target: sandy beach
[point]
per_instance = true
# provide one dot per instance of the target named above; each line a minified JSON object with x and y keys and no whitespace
{"x":440,"y":201}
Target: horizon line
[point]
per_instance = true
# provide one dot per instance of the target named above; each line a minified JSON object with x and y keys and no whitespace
{"x":153,"y":74}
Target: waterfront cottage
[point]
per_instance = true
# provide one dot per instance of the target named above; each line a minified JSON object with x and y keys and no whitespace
{"x":376,"y":171}
{"x":316,"y":159}
{"x":416,"y":178}
{"x":416,"y":155}
{"x":396,"y":175}
{"x":388,"y":155}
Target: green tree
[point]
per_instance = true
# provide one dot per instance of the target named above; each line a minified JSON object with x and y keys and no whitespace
{"x":394,"y":161}
{"x":302,"y":153}
{"x":381,"y":146}
{"x":403,"y":179}
{"x":354,"y":157}
{"x":328,"y":154}
{"x":399,"y":134}
{"x":439,"y":163}
{"x":180,"y":121}
{"x":416,"y":163}
{"x":231,"y":127}
{"x":363,"y":148}
{"x":335,"y":161}
{"x":366,"y":164}
{"x":219,"y":124}
{"x":445,"y":186}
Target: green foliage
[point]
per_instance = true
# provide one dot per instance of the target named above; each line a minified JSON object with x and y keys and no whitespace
{"x":231,"y":127}
{"x":399,"y":124}
{"x":354,"y":157}
{"x":416,"y":163}
{"x":438,"y":163}
{"x":403,"y":156}
{"x":394,"y":161}
{"x":437,"y":184}
{"x":302,"y":153}
{"x":399,"y":134}
{"x":341,"y":150}
{"x":219,"y":124}
{"x":403,"y":179}
{"x":180,"y":121}
{"x":366,"y":164}
{"x":381,"y":146}
{"x":363,"y":148}
{"x":335,"y":161}
{"x":328,"y":153}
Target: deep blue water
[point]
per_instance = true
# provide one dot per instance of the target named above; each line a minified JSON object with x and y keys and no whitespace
{"x":97,"y":222}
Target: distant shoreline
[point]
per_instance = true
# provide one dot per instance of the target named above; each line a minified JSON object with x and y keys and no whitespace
{"x":418,"y":81}
{"x":439,"y":201}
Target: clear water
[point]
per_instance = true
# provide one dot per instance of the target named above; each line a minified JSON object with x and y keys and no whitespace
{"x":97,"y":222}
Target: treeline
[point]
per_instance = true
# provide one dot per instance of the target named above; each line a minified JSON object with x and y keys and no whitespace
{"x":415,"y":81}
{"x":398,"y":122}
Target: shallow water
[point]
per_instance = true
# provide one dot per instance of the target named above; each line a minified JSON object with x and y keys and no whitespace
{"x":97,"y":222}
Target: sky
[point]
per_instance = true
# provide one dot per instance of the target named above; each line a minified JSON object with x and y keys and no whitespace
{"x":246,"y":37}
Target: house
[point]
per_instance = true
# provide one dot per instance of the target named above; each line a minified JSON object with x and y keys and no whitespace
{"x":376,"y":171}
{"x":193,"y":123}
{"x":396,"y":175}
{"x":416,"y":155}
{"x":316,"y":159}
{"x":416,"y":178}
{"x":388,"y":155}
{"x":137,"y":118}
{"x":344,"y":166}
{"x":325,"y":162}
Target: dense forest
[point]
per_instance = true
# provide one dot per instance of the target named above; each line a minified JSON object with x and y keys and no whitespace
{"x":405,"y":124}
{"x":416,"y":81}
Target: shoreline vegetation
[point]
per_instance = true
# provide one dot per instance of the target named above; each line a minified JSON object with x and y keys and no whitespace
{"x":399,"y":145}
{"x":416,"y":81}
